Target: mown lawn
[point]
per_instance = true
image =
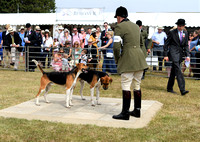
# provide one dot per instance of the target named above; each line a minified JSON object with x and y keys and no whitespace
{"x":178,"y":120}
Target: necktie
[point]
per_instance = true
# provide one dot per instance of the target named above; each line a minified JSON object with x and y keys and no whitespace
{"x":181,"y":37}
{"x":13,"y":40}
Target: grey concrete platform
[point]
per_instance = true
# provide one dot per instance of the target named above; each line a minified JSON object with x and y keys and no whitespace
{"x":82,"y":112}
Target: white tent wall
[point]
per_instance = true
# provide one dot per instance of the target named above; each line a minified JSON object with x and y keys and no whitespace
{"x":151,"y":20}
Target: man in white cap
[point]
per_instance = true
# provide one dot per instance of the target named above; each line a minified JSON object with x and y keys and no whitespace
{"x":158,"y":40}
{"x":14,"y":41}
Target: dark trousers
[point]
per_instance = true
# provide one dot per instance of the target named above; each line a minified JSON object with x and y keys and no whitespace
{"x":176,"y":72}
{"x":43,"y":59}
{"x":158,"y":51}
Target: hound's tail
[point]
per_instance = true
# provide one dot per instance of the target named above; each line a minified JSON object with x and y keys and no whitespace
{"x":37,"y":64}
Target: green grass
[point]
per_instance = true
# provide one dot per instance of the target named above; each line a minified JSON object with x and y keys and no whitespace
{"x":178,"y":120}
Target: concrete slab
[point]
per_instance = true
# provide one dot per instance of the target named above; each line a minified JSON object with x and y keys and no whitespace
{"x":82,"y":112}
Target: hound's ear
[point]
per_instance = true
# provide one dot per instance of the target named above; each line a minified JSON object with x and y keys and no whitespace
{"x":110,"y":80}
{"x":77,"y":64}
{"x":102,"y":80}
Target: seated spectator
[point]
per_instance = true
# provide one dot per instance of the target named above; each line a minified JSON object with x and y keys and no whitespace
{"x":83,"y":58}
{"x":109,"y":62}
{"x":55,"y":43}
{"x":76,"y":52}
{"x":57,"y":60}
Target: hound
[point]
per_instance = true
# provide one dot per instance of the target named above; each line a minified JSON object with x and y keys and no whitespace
{"x":67,"y":79}
{"x":95,"y":79}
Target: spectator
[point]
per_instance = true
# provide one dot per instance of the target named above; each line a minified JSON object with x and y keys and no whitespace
{"x":6,"y":50}
{"x":76,"y":52}
{"x":198,"y":62}
{"x":33,"y":43}
{"x":158,"y":40}
{"x":47,"y":45}
{"x":91,"y":54}
{"x":38,"y":44}
{"x":1,"y":49}
{"x":98,"y":34}
{"x":67,"y":56}
{"x":57,"y":60}
{"x":55,"y":43}
{"x":89,"y":32}
{"x":109,"y":62}
{"x":83,"y":58}
{"x":14,"y":41}
{"x":77,"y":37}
{"x":103,"y":34}
{"x":66,"y":37}
{"x":94,"y":38}
{"x":83,"y":36}
{"x":21,"y":35}
{"x":193,"y":43}
{"x":60,"y":33}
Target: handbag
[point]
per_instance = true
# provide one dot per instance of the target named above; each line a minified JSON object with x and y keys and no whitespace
{"x":109,"y":55}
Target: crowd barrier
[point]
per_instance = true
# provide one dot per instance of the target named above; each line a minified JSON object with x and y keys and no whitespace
{"x":157,"y":65}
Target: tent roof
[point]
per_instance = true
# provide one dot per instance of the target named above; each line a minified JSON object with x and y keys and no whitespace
{"x":148,"y":19}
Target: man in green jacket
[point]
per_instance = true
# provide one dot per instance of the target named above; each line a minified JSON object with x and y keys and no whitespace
{"x":130,"y":61}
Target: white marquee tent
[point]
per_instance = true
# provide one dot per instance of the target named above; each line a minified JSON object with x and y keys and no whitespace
{"x":96,"y":17}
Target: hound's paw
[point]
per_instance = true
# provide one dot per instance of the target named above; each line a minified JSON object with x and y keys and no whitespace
{"x":48,"y":102}
{"x":98,"y":103}
{"x":71,"y":104}
{"x":37,"y":104}
{"x":93,"y":105}
{"x":83,"y":98}
{"x":68,"y":106}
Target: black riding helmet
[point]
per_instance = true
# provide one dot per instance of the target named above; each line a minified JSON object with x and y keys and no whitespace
{"x":122,"y":12}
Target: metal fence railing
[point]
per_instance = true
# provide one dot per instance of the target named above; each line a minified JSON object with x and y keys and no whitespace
{"x":101,"y":60}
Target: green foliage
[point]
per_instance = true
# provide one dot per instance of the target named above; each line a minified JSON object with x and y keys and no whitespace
{"x":27,"y":6}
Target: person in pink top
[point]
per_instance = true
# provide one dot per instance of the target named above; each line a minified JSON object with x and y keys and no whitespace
{"x":83,"y":36}
{"x":77,"y":37}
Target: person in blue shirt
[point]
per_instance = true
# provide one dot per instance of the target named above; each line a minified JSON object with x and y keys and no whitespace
{"x":158,"y":40}
{"x":1,"y":49}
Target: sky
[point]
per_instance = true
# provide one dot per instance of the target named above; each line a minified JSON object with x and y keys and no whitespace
{"x":134,"y":5}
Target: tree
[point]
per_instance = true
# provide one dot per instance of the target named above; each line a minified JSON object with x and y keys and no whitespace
{"x":27,"y":6}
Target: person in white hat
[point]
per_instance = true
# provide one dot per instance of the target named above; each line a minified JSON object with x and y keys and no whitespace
{"x":47,"y":44}
{"x":158,"y":40}
{"x":60,"y":33}
{"x":66,"y":37}
{"x":14,"y":42}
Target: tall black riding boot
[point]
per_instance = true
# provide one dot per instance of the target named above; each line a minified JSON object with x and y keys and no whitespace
{"x":124,"y":115}
{"x":137,"y":103}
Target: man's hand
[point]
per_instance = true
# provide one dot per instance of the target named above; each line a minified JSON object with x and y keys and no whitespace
{"x":0,"y":46}
{"x":148,"y":51}
{"x":28,"y":42}
{"x":166,"y":58}
{"x":157,"y":42}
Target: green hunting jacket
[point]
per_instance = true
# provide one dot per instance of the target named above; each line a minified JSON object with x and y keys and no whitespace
{"x":128,"y":44}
